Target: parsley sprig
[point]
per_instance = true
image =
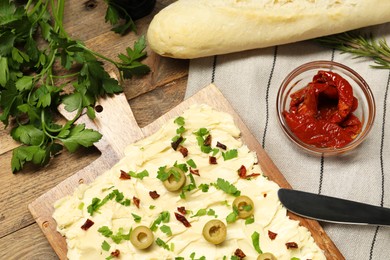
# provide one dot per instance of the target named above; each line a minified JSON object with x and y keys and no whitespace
{"x":32,"y":86}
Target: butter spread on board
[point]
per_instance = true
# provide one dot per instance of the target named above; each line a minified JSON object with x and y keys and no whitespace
{"x":110,"y":202}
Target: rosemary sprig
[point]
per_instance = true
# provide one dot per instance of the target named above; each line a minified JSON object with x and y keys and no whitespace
{"x":360,"y":45}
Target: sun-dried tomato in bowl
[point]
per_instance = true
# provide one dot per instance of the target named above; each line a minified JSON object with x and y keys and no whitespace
{"x":325,"y":107}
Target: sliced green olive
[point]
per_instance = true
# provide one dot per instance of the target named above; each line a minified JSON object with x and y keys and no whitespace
{"x":173,"y":184}
{"x":244,"y":205}
{"x":266,"y":256}
{"x":141,"y":237}
{"x":214,"y":231}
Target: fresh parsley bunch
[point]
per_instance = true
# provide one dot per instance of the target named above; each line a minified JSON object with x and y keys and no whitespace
{"x":31,"y":88}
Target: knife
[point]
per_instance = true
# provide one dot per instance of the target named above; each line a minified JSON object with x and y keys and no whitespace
{"x":331,"y":209}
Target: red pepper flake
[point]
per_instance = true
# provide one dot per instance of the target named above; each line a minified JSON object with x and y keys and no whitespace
{"x":182,"y":219}
{"x":194,"y":172}
{"x":116,"y":253}
{"x":242,"y":172}
{"x":182,"y":210}
{"x":124,"y":176}
{"x":154,"y":194}
{"x":136,"y":201}
{"x":252,"y":175}
{"x":291,"y":245}
{"x":272,"y":235}
{"x":88,"y":223}
{"x":212,"y":160}
{"x":265,"y":195}
{"x":176,"y":143}
{"x":222,"y":146}
{"x":239,"y":253}
{"x":207,"y":141}
{"x":183,"y":151}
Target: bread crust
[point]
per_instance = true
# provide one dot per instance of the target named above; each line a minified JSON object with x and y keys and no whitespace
{"x":197,"y":28}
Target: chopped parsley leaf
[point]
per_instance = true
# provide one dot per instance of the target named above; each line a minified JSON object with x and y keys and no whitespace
{"x":180,"y":130}
{"x":163,"y":174}
{"x":228,"y":155}
{"x":204,"y":212}
{"x":256,"y":242}
{"x":106,"y":246}
{"x":192,"y":256}
{"x":81,"y":206}
{"x":166,"y":229}
{"x":202,"y":132}
{"x":179,"y":121}
{"x":98,"y":203}
{"x":227,"y":187}
{"x":162,"y":244}
{"x":191,"y":163}
{"x":126,"y":202}
{"x":215,"y":151}
{"x":250,"y":220}
{"x":137,"y":218}
{"x":118,"y":237}
{"x":247,"y":208}
{"x":163,"y":217}
{"x":152,"y":207}
{"x":232,"y":217}
{"x":200,"y":137}
{"x":181,"y":166}
{"x":189,"y":187}
{"x":204,"y":187}
{"x":105,"y":231}
{"x":199,"y":213}
{"x":139,"y":175}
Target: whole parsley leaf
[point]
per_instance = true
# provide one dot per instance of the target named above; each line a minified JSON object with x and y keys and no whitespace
{"x":78,"y":135}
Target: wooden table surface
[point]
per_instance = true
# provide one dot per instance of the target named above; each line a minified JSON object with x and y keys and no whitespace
{"x":149,"y":97}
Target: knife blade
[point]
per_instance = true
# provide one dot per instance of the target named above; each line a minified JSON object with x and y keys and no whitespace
{"x":331,"y":209}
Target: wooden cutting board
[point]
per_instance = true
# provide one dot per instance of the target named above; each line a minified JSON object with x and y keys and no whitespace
{"x":119,"y":128}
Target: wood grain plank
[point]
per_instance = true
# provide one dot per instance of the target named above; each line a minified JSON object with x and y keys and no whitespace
{"x":32,"y":238}
{"x":18,"y":190}
{"x":42,"y":208}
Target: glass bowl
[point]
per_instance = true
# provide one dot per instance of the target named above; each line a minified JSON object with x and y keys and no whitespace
{"x":300,"y":77}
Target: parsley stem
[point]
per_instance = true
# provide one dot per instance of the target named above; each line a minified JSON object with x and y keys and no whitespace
{"x":65,"y":76}
{"x":116,"y":64}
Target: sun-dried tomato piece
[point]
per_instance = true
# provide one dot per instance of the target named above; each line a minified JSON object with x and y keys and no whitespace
{"x":291,"y":245}
{"x":154,"y":194}
{"x":183,"y":151}
{"x":272,"y":235}
{"x":242,"y":172}
{"x":116,"y":253}
{"x":176,"y":143}
{"x":212,"y":160}
{"x":136,"y":201}
{"x":124,"y":176}
{"x":182,"y":219}
{"x":222,"y":146}
{"x":207,"y":141}
{"x":194,"y":171}
{"x":182,"y":210}
{"x":239,"y":253}
{"x":88,"y":223}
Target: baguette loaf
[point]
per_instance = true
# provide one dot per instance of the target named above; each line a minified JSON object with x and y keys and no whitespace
{"x":198,"y":28}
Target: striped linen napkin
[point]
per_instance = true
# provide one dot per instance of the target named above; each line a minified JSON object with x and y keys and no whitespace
{"x":250,"y":81}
